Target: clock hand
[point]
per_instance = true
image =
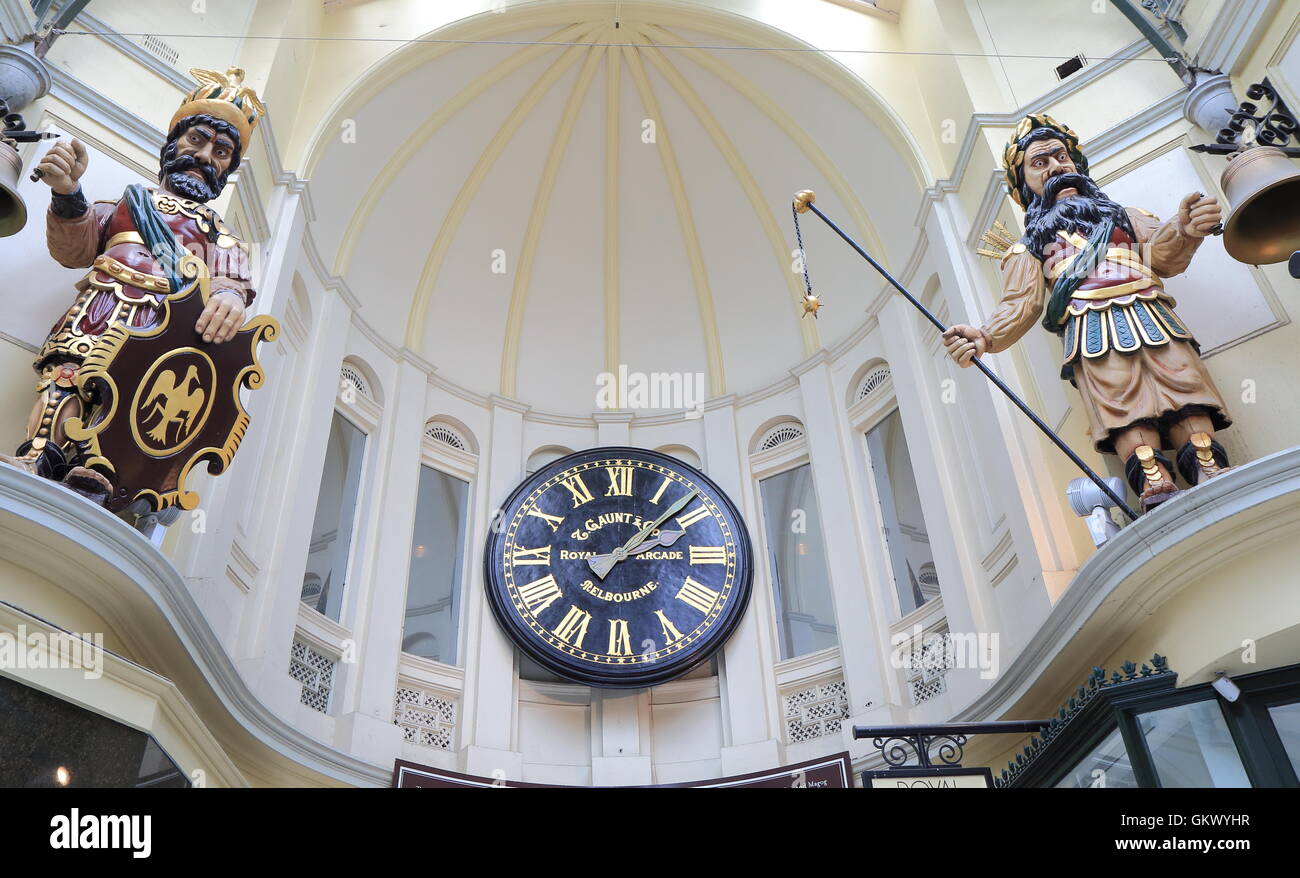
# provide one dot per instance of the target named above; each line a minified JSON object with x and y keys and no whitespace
{"x":668,"y":513}
{"x":602,"y":564}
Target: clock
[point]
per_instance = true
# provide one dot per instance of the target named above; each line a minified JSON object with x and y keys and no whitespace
{"x":618,"y":567}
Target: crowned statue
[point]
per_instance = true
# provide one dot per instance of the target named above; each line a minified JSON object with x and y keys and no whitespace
{"x":1090,"y":271}
{"x":141,"y":252}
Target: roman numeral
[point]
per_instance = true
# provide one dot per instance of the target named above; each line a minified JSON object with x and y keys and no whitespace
{"x":671,"y":634}
{"x":708,"y":555}
{"x":532,"y":556}
{"x":620,"y":641}
{"x":578,"y":489}
{"x":693,"y":516}
{"x":540,"y":594}
{"x":620,"y":481}
{"x":553,"y":520}
{"x":573,"y":627}
{"x":663,"y":486}
{"x":701,"y":597}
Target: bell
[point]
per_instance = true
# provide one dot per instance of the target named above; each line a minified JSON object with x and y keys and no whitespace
{"x":13,"y":211}
{"x":1263,"y":186}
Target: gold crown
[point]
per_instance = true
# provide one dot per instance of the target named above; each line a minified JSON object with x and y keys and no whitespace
{"x":224,"y":96}
{"x":1013,"y":155}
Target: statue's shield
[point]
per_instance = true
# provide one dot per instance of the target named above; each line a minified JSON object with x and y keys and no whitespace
{"x":162,"y":400}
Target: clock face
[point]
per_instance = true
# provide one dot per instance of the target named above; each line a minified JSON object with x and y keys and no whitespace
{"x":618,"y":567}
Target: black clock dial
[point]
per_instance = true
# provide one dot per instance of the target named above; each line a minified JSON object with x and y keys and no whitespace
{"x":618,"y":567}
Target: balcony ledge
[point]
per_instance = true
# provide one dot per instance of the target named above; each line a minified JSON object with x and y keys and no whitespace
{"x":103,"y":562}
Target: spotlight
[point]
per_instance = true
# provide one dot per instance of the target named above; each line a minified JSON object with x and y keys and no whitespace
{"x":62,"y":776}
{"x":1090,"y":503}
{"x":1225,"y":687}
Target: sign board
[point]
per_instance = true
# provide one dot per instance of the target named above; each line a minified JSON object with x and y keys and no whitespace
{"x":829,"y":772}
{"x":946,"y":778}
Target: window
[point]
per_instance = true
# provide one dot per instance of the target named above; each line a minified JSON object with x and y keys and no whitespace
{"x":331,"y":531}
{"x":906,"y":537}
{"x":1191,"y":746}
{"x":433,"y":585}
{"x":1286,"y":720}
{"x":1106,"y":766}
{"x":804,"y":609}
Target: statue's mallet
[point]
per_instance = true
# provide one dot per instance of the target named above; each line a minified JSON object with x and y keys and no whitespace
{"x":16,"y":130}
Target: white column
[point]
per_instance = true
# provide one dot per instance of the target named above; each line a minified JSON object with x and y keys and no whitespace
{"x":748,"y":687}
{"x":271,"y":617}
{"x":613,"y":428}
{"x":367,"y":730}
{"x":858,"y":628}
{"x":489,"y":716}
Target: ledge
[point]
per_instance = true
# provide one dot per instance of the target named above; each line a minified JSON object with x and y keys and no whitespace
{"x":106,"y":564}
{"x":1136,"y":572}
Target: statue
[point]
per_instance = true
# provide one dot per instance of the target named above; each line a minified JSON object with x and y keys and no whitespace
{"x":115,"y":360}
{"x":1091,"y":270}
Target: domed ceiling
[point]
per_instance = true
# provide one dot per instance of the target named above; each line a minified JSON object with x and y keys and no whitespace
{"x":531,"y":212}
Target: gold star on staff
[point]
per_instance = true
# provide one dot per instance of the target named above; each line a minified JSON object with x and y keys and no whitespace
{"x":810,"y":305}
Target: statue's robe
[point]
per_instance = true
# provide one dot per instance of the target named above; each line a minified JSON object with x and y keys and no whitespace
{"x":1132,"y":359}
{"x":125,"y":283}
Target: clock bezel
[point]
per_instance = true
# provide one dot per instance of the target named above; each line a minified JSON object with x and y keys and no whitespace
{"x":639,"y":678}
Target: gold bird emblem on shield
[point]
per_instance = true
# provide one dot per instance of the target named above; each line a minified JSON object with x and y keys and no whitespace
{"x":172,"y":403}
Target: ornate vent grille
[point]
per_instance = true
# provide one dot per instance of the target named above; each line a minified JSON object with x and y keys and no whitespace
{"x":159,"y":49}
{"x":440,"y":432}
{"x":927,"y":663}
{"x":353,"y":375}
{"x":815,"y":712}
{"x":316,"y":674}
{"x":426,"y":717}
{"x":874,"y":379}
{"x":780,"y":434}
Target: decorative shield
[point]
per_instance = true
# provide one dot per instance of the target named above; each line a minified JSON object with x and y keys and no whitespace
{"x":162,"y":400}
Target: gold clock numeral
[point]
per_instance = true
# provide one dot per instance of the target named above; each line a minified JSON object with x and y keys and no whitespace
{"x":620,"y":481}
{"x":663,"y":486}
{"x":553,"y":520}
{"x":573,"y":627}
{"x":701,"y":597}
{"x":708,"y":555}
{"x":671,"y":634}
{"x":693,"y":516}
{"x":578,"y":488}
{"x":620,"y":640}
{"x":523,"y":556}
{"x":540,"y":594}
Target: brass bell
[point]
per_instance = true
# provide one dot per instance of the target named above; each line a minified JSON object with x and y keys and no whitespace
{"x":1263,"y":186}
{"x":13,"y":210}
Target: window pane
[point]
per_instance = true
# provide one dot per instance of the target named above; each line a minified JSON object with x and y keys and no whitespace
{"x":331,"y":531}
{"x":900,"y":511}
{"x":1191,"y":747}
{"x":804,"y":610}
{"x":1286,"y":719}
{"x":433,"y":588}
{"x":1106,"y":766}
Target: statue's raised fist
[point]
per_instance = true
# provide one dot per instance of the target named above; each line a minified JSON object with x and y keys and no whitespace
{"x":63,"y":166}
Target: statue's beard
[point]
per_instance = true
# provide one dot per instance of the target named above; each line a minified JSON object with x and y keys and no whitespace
{"x":1080,"y":213}
{"x":175,"y":172}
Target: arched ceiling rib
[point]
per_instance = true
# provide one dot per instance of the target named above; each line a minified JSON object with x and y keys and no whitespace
{"x":708,"y":211}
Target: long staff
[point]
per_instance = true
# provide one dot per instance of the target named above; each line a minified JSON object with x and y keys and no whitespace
{"x":803,"y":201}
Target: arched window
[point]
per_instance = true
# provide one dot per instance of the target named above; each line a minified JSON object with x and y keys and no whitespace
{"x":796,"y":550}
{"x":434,"y":586}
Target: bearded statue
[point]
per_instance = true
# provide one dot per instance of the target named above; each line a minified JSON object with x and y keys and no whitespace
{"x":132,"y":247}
{"x":1090,"y":271}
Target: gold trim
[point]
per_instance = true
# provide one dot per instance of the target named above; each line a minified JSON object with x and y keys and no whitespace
{"x":124,"y":238}
{"x":1101,"y":294}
